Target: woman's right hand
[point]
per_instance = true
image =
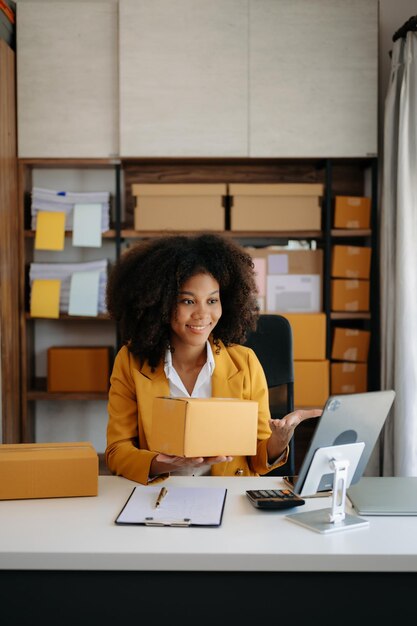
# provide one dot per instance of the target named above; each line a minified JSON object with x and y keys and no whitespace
{"x":164,"y":463}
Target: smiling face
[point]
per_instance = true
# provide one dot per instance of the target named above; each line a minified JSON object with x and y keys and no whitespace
{"x":197,"y":311}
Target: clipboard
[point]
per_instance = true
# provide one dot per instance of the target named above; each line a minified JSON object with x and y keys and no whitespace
{"x":181,"y":507}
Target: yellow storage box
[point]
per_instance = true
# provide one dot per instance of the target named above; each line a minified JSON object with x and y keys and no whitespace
{"x":48,"y":470}
{"x":79,"y":369}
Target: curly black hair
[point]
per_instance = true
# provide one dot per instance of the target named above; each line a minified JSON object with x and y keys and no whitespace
{"x":143,"y":286}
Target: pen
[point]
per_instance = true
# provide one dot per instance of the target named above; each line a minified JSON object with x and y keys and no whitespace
{"x":161,"y":496}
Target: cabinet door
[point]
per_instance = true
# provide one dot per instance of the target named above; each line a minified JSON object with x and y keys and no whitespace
{"x":183,"y":77}
{"x":67,"y":79}
{"x":313,"y":78}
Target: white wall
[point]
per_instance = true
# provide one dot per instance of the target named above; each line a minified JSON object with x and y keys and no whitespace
{"x":392,"y":15}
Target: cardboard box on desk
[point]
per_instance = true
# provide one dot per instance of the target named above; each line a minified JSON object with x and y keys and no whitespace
{"x":194,"y":427}
{"x":352,"y":212}
{"x":184,"y":207}
{"x":79,"y":369}
{"x":48,"y":470}
{"x":263,"y":207}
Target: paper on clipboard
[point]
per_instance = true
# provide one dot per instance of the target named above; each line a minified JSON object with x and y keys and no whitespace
{"x":182,"y":506}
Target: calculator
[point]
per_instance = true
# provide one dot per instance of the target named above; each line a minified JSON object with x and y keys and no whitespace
{"x":274,"y":498}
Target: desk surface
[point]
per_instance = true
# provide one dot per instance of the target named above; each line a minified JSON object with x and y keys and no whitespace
{"x":80,"y":533}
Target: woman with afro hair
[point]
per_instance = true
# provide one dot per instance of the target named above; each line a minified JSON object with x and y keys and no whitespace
{"x":184,"y":305}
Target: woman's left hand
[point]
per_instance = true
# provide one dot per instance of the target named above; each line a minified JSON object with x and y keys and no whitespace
{"x":283,"y":429}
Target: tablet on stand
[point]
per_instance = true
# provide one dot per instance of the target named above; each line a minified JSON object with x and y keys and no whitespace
{"x":342,"y":461}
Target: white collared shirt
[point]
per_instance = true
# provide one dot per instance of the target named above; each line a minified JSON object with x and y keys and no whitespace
{"x":202,"y":387}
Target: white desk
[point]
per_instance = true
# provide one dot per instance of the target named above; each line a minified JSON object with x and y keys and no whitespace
{"x":78,"y":535}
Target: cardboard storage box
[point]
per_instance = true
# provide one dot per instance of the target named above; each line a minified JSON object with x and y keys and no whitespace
{"x":350,"y":344}
{"x":349,"y":377}
{"x":295,"y":262}
{"x":270,"y":261}
{"x":352,"y":212}
{"x":48,"y":470}
{"x":204,"y":426}
{"x":351,"y":261}
{"x":79,"y":369}
{"x":184,"y":207}
{"x":309,"y":335}
{"x":275,"y":207}
{"x":349,"y":295}
{"x":311,"y":383}
{"x":293,"y":293}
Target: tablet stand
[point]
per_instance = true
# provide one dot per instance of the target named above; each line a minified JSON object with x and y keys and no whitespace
{"x":341,"y":461}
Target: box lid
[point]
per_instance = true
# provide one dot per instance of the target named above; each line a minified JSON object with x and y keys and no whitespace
{"x":180,"y":189}
{"x":276,"y":189}
{"x":35,"y":450}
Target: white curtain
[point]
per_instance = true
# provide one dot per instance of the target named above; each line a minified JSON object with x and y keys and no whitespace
{"x":398,"y":247}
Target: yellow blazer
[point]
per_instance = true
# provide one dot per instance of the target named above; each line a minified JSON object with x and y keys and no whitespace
{"x":237,"y":374}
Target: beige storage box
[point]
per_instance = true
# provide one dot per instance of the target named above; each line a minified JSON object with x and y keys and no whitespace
{"x":194,"y":427}
{"x":270,"y":261}
{"x":351,"y":261}
{"x":293,"y":293}
{"x":183,"y":207}
{"x":275,"y":207}
{"x":289,"y":261}
{"x":349,"y":377}
{"x":295,"y":262}
{"x":349,"y":295}
{"x":350,"y":344}
{"x":79,"y":369}
{"x":309,"y":335}
{"x":48,"y":470}
{"x":352,"y":212}
{"x":311,"y":383}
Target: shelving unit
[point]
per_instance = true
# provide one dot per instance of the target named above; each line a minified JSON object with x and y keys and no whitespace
{"x":34,"y":388}
{"x":339,"y":177}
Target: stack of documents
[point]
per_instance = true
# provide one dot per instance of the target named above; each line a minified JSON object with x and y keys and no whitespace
{"x":65,"y":201}
{"x":73,"y":288}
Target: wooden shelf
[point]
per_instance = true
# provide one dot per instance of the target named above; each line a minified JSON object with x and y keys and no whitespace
{"x":279,"y":234}
{"x":39,"y":392}
{"x":345,"y":315}
{"x":108,"y":234}
{"x":64,"y":317}
{"x":343,"y":177}
{"x":351,"y":233}
{"x":68,"y":163}
{"x":130,"y":233}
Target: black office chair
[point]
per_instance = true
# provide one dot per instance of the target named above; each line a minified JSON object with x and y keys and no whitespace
{"x":272,"y":344}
